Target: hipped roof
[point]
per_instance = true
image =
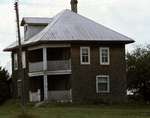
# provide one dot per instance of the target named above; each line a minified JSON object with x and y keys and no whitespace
{"x":69,"y":26}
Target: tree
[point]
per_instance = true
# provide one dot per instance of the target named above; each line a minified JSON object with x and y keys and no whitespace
{"x":138,"y":72}
{"x":4,"y":85}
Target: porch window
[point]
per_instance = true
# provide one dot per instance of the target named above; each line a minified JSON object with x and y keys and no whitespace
{"x":85,"y":55}
{"x":54,"y":54}
{"x":104,"y":56}
{"x":15,"y":61}
{"x":102,"y":84}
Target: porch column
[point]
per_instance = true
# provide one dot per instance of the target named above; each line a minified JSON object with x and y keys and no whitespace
{"x":45,"y":74}
{"x":45,"y":88}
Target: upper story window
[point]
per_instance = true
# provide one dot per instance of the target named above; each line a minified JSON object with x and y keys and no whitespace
{"x":85,"y":55}
{"x":23,"y":59}
{"x":25,"y":27}
{"x":104,"y":56}
{"x":15,"y":61}
{"x":102,"y":84}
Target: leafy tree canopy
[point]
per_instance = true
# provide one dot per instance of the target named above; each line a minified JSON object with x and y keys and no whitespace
{"x":4,"y":85}
{"x":138,"y":72}
{"x":4,"y":75}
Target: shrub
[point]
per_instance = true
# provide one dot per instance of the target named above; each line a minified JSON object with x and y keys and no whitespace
{"x":4,"y":85}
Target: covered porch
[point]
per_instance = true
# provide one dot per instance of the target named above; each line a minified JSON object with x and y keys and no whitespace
{"x":58,"y":89}
{"x":50,"y":59}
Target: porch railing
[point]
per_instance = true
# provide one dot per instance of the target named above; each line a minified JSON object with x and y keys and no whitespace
{"x":58,"y":65}
{"x":36,"y":67}
{"x":51,"y":66}
{"x":60,"y":95}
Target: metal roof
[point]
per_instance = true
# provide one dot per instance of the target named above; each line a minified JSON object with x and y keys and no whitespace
{"x":35,"y":20}
{"x":69,"y":26}
{"x":13,"y":45}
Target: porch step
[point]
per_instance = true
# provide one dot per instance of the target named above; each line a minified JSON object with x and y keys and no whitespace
{"x":39,"y":104}
{"x":62,"y":101}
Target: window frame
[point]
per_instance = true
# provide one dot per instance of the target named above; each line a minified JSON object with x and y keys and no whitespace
{"x":81,"y":59}
{"x":23,"y":59}
{"x":108,"y":84}
{"x":25,"y":27}
{"x":108,"y":54}
{"x":15,"y":61}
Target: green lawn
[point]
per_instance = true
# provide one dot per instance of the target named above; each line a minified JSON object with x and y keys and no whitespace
{"x":11,"y":109}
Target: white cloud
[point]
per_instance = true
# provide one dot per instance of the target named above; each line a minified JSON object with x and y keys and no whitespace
{"x":7,"y":31}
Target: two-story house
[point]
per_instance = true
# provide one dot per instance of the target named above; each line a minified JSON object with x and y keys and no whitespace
{"x":70,"y":58}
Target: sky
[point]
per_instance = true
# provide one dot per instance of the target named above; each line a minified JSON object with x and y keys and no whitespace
{"x":129,"y":17}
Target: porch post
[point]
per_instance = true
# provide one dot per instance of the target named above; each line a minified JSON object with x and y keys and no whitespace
{"x":45,"y":88}
{"x":45,"y":74}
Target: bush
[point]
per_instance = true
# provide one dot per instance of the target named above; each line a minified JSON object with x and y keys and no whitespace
{"x":4,"y":85}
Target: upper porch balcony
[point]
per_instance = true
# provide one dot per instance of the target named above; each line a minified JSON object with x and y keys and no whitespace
{"x":49,"y":59}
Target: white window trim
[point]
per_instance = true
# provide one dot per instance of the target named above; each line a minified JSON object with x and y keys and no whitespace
{"x":23,"y":59}
{"x":108,"y":83}
{"x":81,"y":61}
{"x":100,"y":50}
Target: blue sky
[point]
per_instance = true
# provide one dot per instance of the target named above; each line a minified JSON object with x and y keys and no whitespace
{"x":129,"y":17}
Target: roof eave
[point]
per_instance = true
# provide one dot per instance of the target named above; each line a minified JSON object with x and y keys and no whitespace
{"x":22,"y":22}
{"x":35,"y":24}
{"x":9,"y":49}
{"x":108,"y":41}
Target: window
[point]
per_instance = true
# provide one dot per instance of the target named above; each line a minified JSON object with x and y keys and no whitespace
{"x":19,"y":87}
{"x":85,"y":55}
{"x":15,"y":61}
{"x":104,"y":56}
{"x":25,"y":27}
{"x":23,"y":59}
{"x":102,"y":84}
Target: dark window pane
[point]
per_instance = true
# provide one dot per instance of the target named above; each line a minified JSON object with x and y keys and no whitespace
{"x":102,"y":86}
{"x":84,"y":58}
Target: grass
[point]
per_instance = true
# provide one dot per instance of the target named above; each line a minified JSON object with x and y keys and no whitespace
{"x":11,"y":109}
